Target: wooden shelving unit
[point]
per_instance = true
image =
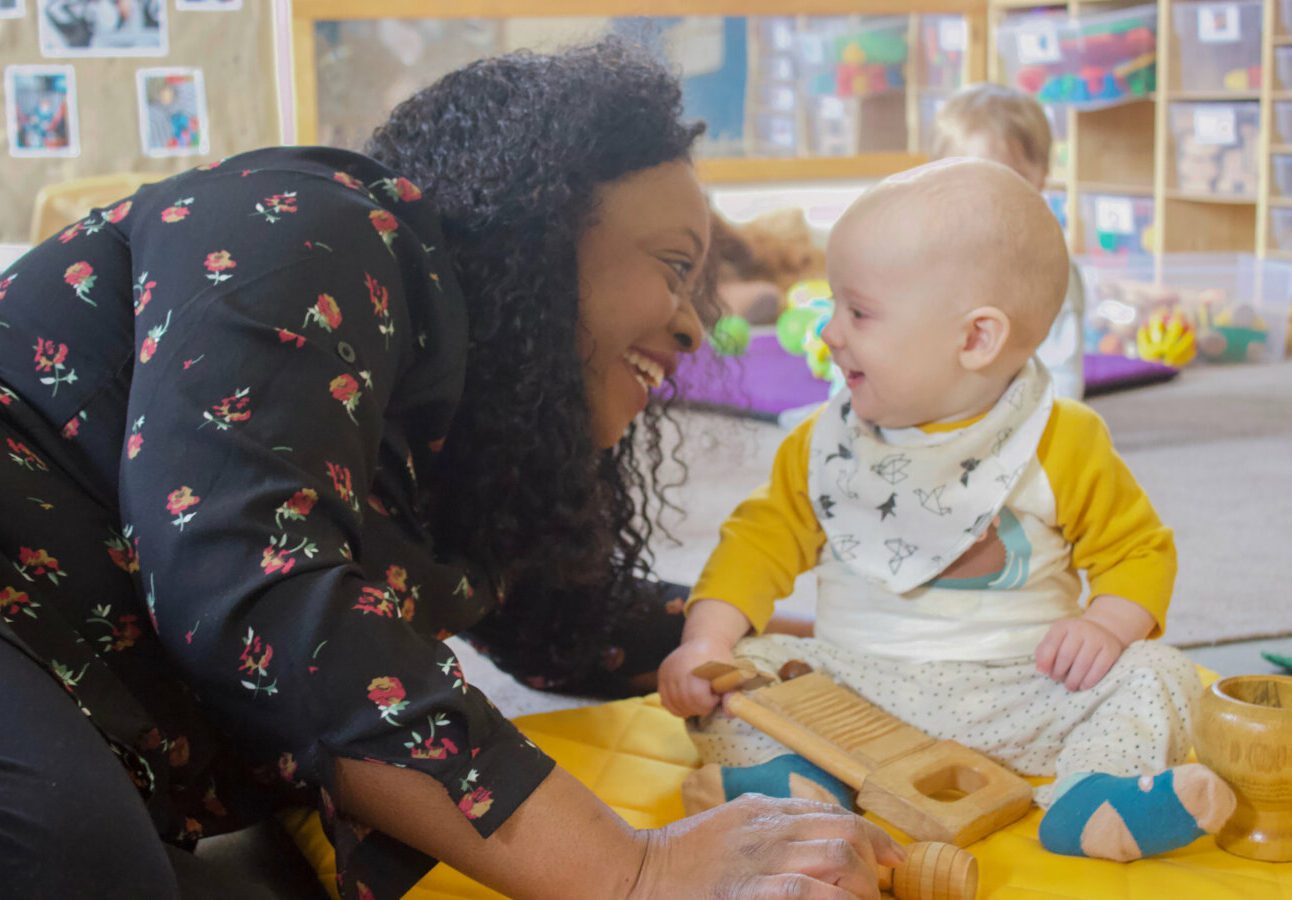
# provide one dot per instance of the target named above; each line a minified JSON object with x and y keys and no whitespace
{"x":307,"y":14}
{"x":1130,"y":149}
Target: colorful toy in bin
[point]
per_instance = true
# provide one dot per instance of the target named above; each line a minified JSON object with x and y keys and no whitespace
{"x":1167,"y":337}
{"x":868,"y":62}
{"x":730,"y":336}
{"x":1117,"y":62}
{"x":1232,"y":335}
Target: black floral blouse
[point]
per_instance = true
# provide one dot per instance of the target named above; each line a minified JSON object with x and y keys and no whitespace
{"x":216,"y":398}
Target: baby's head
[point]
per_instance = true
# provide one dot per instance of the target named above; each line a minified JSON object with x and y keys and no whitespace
{"x":991,"y":121}
{"x":946,"y":279}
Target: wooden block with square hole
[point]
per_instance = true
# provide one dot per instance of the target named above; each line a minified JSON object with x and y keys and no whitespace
{"x":934,"y":790}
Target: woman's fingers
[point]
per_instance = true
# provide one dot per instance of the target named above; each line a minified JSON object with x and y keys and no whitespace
{"x":802,"y":887}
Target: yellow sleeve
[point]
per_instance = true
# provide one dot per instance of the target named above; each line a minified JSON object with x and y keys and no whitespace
{"x":1115,"y":533}
{"x":771,"y":538}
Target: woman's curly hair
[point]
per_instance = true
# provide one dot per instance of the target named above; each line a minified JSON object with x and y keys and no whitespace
{"x":511,"y":151}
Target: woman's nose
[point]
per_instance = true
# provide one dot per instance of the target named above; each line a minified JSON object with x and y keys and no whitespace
{"x":686,"y":328}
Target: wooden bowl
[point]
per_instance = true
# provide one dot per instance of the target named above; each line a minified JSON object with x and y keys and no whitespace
{"x":1244,"y":733}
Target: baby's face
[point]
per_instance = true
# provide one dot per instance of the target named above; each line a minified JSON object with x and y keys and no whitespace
{"x":896,"y":330}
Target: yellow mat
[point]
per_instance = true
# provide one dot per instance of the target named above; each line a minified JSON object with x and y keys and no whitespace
{"x":634,"y":754}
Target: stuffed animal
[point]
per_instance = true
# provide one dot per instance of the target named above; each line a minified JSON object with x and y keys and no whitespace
{"x":758,"y":261}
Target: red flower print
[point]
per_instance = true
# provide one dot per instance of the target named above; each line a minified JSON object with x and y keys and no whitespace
{"x":324,"y":313}
{"x":177,"y":754}
{"x":477,"y":803}
{"x":387,"y":692}
{"x":378,"y":602}
{"x":13,"y":602}
{"x":275,"y":560}
{"x":341,"y":483}
{"x":50,"y":358}
{"x":121,"y":635}
{"x":22,"y":455}
{"x":72,"y":427}
{"x":399,"y":189}
{"x":5,"y":284}
{"x":69,"y":233}
{"x":143,"y":292}
{"x":211,"y":802}
{"x":80,"y":276}
{"x":380,"y":298}
{"x":275,"y":207}
{"x":39,"y":562}
{"x":287,"y":767}
{"x":179,"y":500}
{"x":6,"y":396}
{"x":346,"y":390}
{"x":297,"y":507}
{"x":364,"y":892}
{"x":428,"y":748}
{"x":172,"y":214}
{"x":134,"y":444}
{"x":348,"y":180}
{"x":122,"y":551}
{"x":149,"y":347}
{"x":118,"y":212}
{"x":287,"y":337}
{"x":254,"y":660}
{"x":375,"y":504}
{"x":217,"y":263}
{"x":230,"y":411}
{"x":386,"y":226}
{"x":397,"y":578}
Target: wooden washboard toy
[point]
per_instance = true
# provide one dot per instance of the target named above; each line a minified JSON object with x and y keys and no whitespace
{"x":934,"y":790}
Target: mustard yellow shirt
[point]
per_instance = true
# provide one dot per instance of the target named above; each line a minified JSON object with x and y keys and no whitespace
{"x":1116,"y":536}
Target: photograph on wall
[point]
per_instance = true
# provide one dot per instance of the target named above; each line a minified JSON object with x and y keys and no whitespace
{"x":207,"y":5}
{"x":172,"y":112}
{"x":40,"y":110}
{"x":102,"y":27}
{"x":13,"y":9}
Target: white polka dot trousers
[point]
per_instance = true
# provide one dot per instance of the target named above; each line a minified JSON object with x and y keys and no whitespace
{"x":1135,"y":721}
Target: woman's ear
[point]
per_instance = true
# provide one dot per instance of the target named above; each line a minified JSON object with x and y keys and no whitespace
{"x":986,"y":334}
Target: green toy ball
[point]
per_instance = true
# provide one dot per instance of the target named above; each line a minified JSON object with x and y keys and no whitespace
{"x":730,"y":336}
{"x":792,"y":325}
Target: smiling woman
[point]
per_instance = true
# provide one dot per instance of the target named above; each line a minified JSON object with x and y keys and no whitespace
{"x":298,"y":416}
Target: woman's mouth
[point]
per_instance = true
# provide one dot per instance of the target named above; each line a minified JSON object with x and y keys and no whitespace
{"x":648,"y":372}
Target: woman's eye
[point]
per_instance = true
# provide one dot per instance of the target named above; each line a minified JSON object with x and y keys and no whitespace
{"x":681,"y":268}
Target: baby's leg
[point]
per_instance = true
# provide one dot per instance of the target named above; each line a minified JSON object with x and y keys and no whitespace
{"x":1116,"y":795}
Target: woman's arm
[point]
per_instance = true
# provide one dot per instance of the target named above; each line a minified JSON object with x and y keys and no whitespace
{"x":564,"y":842}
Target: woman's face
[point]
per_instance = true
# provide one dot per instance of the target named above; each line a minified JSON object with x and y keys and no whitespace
{"x":638,"y":264}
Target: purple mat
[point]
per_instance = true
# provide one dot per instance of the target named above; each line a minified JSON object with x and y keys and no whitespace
{"x":765,"y":380}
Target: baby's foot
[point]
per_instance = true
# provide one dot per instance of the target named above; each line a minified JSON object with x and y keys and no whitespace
{"x":1125,"y":818}
{"x":785,"y":776}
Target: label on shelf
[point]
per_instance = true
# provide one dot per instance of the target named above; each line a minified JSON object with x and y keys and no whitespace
{"x":951,"y":35}
{"x":1218,"y":23}
{"x":1215,"y":125}
{"x":1114,"y":215}
{"x":1038,"y":44}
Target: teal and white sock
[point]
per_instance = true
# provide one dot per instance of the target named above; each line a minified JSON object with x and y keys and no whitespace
{"x":1125,"y":818}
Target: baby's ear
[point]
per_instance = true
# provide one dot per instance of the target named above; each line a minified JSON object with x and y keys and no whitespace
{"x":985,"y":337}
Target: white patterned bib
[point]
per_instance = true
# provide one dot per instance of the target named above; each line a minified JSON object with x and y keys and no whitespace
{"x":900,"y":505}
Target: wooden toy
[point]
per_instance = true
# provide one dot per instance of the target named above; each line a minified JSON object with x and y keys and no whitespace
{"x":932,"y":871}
{"x":1244,"y":733}
{"x":934,"y":790}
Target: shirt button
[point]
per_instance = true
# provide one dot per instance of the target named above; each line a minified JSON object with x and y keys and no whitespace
{"x":345,"y":351}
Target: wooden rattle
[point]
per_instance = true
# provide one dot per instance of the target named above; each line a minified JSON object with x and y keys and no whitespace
{"x":932,"y":871}
{"x":933,"y":790}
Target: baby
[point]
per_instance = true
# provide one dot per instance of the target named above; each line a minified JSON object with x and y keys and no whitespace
{"x":946,"y":501}
{"x":992,"y":121}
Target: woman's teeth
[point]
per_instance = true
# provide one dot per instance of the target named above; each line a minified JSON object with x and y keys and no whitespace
{"x":649,"y":374}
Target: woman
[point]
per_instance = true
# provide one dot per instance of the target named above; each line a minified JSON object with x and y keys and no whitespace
{"x":290,"y":421}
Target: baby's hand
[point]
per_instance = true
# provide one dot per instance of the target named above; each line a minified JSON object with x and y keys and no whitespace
{"x":1078,"y":652}
{"x":682,"y":693}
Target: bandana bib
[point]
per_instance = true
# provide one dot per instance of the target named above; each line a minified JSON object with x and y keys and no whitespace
{"x":898,"y":506}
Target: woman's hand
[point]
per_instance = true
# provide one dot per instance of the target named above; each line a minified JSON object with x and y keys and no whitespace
{"x":757,"y":847}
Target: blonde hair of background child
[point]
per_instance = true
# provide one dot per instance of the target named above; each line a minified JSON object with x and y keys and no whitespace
{"x":1013,"y":118}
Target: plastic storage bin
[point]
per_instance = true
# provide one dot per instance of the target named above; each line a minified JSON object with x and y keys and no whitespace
{"x":1217,"y":307}
{"x":833,"y":126}
{"x":857,"y":56}
{"x":1283,"y":66}
{"x":1220,"y":45}
{"x":1091,"y":61}
{"x":929,"y":106}
{"x":775,"y":134}
{"x":1059,"y":146}
{"x":1216,"y":148}
{"x":1115,"y":225}
{"x":1281,"y":167}
{"x":943,"y":40}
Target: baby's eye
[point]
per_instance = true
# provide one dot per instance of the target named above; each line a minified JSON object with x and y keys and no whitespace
{"x":856,"y":313}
